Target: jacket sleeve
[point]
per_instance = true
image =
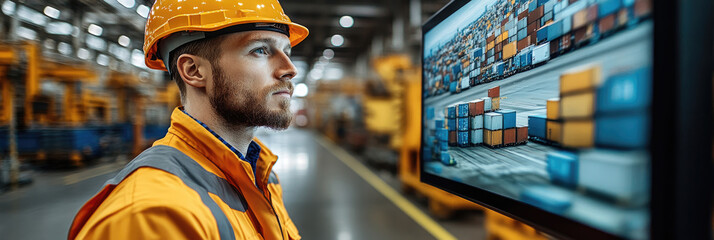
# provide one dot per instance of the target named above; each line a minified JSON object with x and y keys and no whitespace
{"x":148,"y":222}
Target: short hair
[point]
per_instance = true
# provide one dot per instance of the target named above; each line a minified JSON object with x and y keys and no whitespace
{"x":205,"y":48}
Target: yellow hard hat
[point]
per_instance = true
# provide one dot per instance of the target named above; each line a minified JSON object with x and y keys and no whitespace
{"x":172,"y":23}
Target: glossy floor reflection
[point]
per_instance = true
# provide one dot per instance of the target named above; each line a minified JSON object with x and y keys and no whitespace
{"x":325,"y":198}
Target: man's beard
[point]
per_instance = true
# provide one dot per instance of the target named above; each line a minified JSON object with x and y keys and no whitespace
{"x":253,"y":111}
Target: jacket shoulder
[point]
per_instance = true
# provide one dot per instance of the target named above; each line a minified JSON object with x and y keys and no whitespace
{"x":151,"y":202}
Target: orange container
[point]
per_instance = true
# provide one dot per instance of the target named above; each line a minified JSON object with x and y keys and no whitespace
{"x":522,"y":134}
{"x":493,"y":138}
{"x":509,"y":50}
{"x":552,"y":108}
{"x":554,"y":131}
{"x":509,"y":136}
{"x":578,"y":134}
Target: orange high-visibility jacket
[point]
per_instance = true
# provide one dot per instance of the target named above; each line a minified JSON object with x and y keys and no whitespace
{"x":189,"y":185}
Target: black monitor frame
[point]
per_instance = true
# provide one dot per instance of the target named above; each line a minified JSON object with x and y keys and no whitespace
{"x":681,"y":167}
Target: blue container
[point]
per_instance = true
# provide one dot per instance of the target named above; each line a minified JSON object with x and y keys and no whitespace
{"x":541,"y":2}
{"x":607,"y":7}
{"x":548,"y":199}
{"x":509,"y":118}
{"x":452,"y":87}
{"x":516,"y":62}
{"x":427,"y":155}
{"x":439,"y":123}
{"x":625,"y":92}
{"x":523,"y":23}
{"x":542,"y":34}
{"x":442,"y":135}
{"x":444,"y":145}
{"x":478,"y":52}
{"x":546,"y":17}
{"x":463,"y":124}
{"x":500,"y":67}
{"x":456,"y":69}
{"x":429,"y":113}
{"x":622,"y":131}
{"x":555,"y":30}
{"x":463,"y":110}
{"x":562,"y":167}
{"x":451,"y":124}
{"x":451,"y":112}
{"x":536,"y":126}
{"x":523,"y":33}
{"x":433,"y":167}
{"x":533,"y":5}
{"x":628,"y":3}
{"x":463,"y":139}
{"x":446,"y":159}
{"x":526,"y":58}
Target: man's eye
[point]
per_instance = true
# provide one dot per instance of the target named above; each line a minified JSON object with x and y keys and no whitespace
{"x":261,"y":50}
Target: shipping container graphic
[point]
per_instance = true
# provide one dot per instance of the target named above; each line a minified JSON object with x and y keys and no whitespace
{"x":558,"y":93}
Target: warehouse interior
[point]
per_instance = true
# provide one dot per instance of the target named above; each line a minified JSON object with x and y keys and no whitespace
{"x":370,"y":108}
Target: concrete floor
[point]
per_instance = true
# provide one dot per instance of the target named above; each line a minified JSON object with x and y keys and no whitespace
{"x":325,"y":198}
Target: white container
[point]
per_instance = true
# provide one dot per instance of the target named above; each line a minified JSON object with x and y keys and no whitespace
{"x":541,"y":53}
{"x":464,"y":83}
{"x":477,"y":136}
{"x":486,"y":103}
{"x":477,"y":122}
{"x":493,"y":121}
{"x":622,"y":175}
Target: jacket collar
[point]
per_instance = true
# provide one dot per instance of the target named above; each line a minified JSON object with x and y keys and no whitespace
{"x":230,"y":161}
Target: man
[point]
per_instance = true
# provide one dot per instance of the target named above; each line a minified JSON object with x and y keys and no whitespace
{"x":209,"y":178}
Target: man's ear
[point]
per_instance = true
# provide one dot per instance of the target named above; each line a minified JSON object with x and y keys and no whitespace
{"x":193,"y":70}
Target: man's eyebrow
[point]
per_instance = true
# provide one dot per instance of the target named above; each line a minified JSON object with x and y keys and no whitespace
{"x":269,"y":41}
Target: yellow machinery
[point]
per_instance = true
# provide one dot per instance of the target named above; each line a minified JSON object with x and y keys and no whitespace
{"x":500,"y":227}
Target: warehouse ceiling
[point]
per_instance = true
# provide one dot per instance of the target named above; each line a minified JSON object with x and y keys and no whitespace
{"x":373,"y":21}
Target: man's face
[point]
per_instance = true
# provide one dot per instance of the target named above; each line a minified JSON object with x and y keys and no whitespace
{"x":251,"y":80}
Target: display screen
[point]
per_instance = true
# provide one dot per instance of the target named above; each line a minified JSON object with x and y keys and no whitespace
{"x":544,"y":102}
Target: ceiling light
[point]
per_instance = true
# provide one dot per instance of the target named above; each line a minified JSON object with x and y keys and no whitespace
{"x":127,"y":3}
{"x":337,"y":40}
{"x":328,"y":53}
{"x":95,"y":30}
{"x":301,"y":90}
{"x":52,"y":12}
{"x":26,"y":33}
{"x":8,"y":8}
{"x":83,"y":53}
{"x":346,"y":21}
{"x":64,"y":48}
{"x":143,"y":11}
{"x":103,"y":60}
{"x":124,"y":41}
{"x":59,"y":28}
{"x":137,"y":58}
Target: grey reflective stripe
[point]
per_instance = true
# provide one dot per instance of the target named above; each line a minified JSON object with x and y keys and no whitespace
{"x":192,"y":174}
{"x":273,"y":178}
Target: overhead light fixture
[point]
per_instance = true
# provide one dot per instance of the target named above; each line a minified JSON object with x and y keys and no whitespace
{"x":301,"y":90}
{"x":52,"y":12}
{"x":137,"y":58}
{"x":124,"y":41}
{"x":8,"y":8}
{"x":26,"y":33}
{"x":143,"y":11}
{"x":83,"y":54}
{"x":31,"y":16}
{"x":95,"y":43}
{"x":95,"y":30}
{"x":59,"y":28}
{"x":337,"y":40}
{"x":328,"y":54}
{"x":64,"y":48}
{"x":127,"y":3}
{"x":103,"y":60}
{"x":346,"y":21}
